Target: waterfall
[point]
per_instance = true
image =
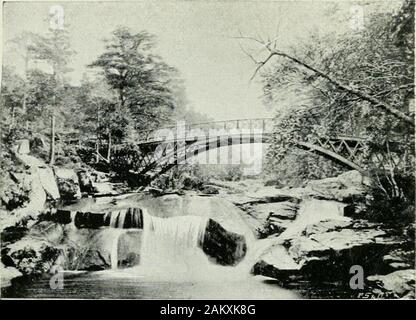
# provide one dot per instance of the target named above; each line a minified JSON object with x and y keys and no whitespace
{"x":114,"y":249}
{"x":312,"y":211}
{"x":171,"y":244}
{"x":116,"y":221}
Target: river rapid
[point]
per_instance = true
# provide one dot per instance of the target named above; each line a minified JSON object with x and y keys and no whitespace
{"x":172,"y":266}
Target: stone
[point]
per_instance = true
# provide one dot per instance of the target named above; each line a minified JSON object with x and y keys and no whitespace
{"x":48,"y":230}
{"x":103,"y":188}
{"x":32,"y":256}
{"x":68,"y":185}
{"x":222,"y":246}
{"x":285,"y":210}
{"x":87,"y":249}
{"x":129,"y":246}
{"x":276,"y":263}
{"x":400,"y":283}
{"x":265,"y":195}
{"x":326,"y":226}
{"x":209,"y":190}
{"x":334,"y":245}
{"x":399,"y":259}
{"x":273,"y":226}
{"x":7,"y":275}
{"x":23,"y":146}
{"x":346,"y":187}
{"x":85,"y":181}
{"x":48,"y":182}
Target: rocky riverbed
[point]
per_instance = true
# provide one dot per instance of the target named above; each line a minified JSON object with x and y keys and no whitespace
{"x":305,"y":240}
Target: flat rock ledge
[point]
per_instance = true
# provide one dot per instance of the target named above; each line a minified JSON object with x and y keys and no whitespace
{"x":325,"y":251}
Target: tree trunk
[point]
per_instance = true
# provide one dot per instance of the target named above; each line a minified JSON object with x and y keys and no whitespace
{"x":52,"y":149}
{"x":97,"y":150}
{"x":25,"y":85}
{"x":109,"y":146}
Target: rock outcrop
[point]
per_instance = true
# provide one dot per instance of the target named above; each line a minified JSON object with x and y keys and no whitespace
{"x":222,"y":246}
{"x":333,"y":246}
{"x":209,"y":190}
{"x":347,"y":187}
{"x":7,"y":274}
{"x":68,"y":185}
{"x":398,"y":284}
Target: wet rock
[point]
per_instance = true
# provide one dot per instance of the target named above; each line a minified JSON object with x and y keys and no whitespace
{"x":272,"y":226}
{"x":334,"y":246}
{"x":267,"y":211}
{"x":129,"y":245}
{"x":401,"y":284}
{"x":32,"y":256}
{"x":7,"y":275}
{"x":50,"y":231}
{"x":23,"y":146}
{"x":264,"y":195}
{"x":47,"y":180}
{"x":68,"y":184}
{"x":87,"y":249}
{"x":12,"y":234}
{"x":399,"y":259}
{"x":85,"y":181}
{"x":326,"y":226}
{"x":346,"y":187}
{"x":224,"y":247}
{"x":191,"y":182}
{"x":104,"y":188}
{"x":209,"y":190}
{"x":285,"y":210}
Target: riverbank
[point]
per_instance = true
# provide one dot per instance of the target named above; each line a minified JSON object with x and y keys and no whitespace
{"x":292,"y":234}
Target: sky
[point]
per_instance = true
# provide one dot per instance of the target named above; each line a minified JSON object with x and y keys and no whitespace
{"x":196,"y":37}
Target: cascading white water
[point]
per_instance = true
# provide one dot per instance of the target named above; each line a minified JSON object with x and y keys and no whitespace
{"x":172,"y":243}
{"x":116,"y":221}
{"x":312,"y":211}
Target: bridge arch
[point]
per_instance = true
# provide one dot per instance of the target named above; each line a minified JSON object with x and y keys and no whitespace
{"x":176,"y":148}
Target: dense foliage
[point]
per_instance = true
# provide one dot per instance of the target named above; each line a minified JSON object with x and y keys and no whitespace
{"x":375,"y":61}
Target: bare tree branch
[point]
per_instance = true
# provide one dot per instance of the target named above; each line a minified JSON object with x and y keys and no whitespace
{"x":362,"y":95}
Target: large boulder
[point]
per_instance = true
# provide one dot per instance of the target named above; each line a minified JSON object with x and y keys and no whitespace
{"x":274,"y":218}
{"x":209,"y":190}
{"x":32,"y":256}
{"x":68,"y":184}
{"x":23,"y":146}
{"x":222,"y":246}
{"x":48,"y":244}
{"x":7,"y":275}
{"x":265,"y":195}
{"x":346,"y":187}
{"x":129,"y":245}
{"x":275,"y":262}
{"x":333,"y":246}
{"x":398,"y":284}
{"x":85,"y":181}
{"x":399,"y":259}
{"x":47,"y":180}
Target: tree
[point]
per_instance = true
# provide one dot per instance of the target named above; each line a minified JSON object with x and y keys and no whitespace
{"x":370,"y":51}
{"x":141,"y":79}
{"x":54,"y":48}
{"x":358,"y":83}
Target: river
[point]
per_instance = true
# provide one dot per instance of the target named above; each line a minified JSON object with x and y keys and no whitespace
{"x":169,"y":273}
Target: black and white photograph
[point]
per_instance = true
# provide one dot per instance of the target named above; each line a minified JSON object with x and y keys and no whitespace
{"x":207,"y":150}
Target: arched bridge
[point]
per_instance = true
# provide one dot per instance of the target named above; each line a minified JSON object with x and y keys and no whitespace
{"x":159,"y":150}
